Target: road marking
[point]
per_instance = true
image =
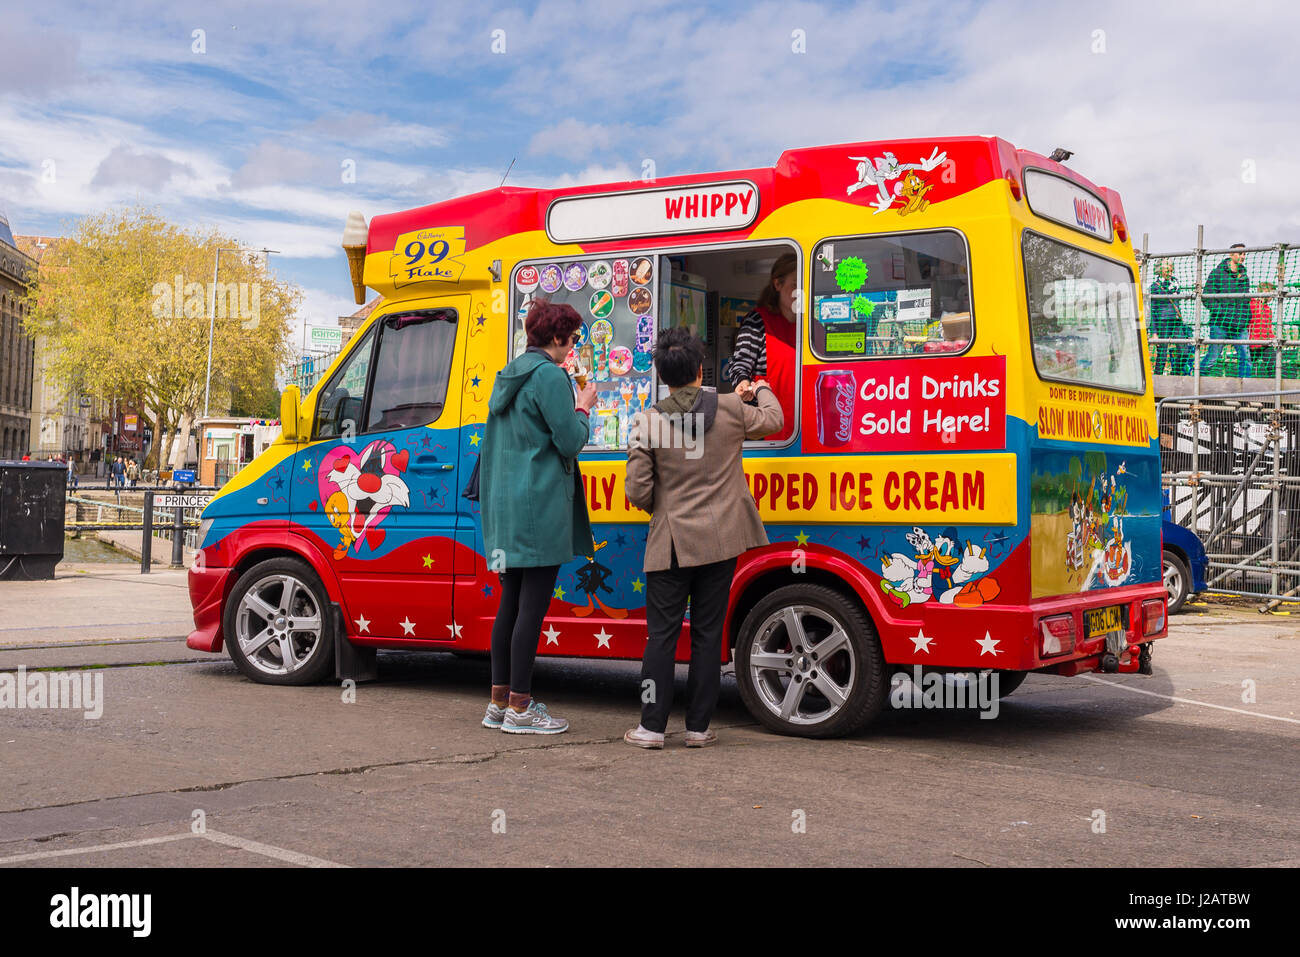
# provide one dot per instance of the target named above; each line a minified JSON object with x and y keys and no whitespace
{"x":279,"y":853}
{"x":40,"y":855}
{"x":1203,"y":704}
{"x":217,"y":837}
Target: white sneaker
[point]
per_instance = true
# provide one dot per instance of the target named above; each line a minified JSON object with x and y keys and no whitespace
{"x":535,"y":720}
{"x":642,"y":738}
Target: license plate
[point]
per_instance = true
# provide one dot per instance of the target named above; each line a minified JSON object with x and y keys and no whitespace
{"x":1104,"y":620}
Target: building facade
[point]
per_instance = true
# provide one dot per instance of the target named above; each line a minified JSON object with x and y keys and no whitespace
{"x":350,"y":324}
{"x":64,"y":420}
{"x":17,"y":351}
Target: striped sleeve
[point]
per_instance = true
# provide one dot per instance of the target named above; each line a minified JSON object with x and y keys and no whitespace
{"x":749,"y":358}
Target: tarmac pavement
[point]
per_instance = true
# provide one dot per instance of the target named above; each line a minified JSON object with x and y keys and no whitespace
{"x":1183,"y":767}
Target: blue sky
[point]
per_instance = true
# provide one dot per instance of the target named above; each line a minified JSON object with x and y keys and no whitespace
{"x":1187,"y":109}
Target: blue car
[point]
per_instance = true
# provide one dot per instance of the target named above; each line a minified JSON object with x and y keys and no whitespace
{"x":1185,"y":561}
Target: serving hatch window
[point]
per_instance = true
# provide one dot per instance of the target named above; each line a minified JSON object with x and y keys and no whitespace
{"x":891,"y":295}
{"x":1082,"y":316}
{"x":617,"y":298}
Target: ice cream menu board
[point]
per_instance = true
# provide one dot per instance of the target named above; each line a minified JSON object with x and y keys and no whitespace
{"x":617,"y":302}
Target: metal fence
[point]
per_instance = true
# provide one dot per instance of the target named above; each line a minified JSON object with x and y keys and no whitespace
{"x":177,"y":525}
{"x":1232,"y":468}
{"x":1230,"y":450}
{"x":305,"y":373}
{"x":1195,"y":332}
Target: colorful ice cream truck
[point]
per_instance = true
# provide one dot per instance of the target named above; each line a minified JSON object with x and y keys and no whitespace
{"x":971,"y":486}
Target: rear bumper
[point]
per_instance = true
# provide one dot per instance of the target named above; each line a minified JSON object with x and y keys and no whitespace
{"x":1088,"y":652}
{"x":207,"y":588}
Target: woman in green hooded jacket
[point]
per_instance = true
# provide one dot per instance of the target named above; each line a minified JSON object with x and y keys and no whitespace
{"x":533,"y":508}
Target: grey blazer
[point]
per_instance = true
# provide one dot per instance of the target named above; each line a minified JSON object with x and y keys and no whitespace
{"x":699,"y":504}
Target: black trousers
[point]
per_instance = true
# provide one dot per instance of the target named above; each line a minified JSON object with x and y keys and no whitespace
{"x":525,"y":595}
{"x":707,"y":586}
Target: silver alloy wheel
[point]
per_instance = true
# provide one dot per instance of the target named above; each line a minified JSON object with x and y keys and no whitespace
{"x":278,"y":624}
{"x":802,"y":664}
{"x":1173,"y":579}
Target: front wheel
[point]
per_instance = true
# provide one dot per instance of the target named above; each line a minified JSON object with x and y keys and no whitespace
{"x":277,"y":624}
{"x":808,"y":663}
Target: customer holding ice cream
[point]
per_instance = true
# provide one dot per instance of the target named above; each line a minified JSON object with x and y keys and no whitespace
{"x":534,"y":511}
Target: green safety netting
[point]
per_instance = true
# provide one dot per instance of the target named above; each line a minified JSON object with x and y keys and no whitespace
{"x":1265,"y":319}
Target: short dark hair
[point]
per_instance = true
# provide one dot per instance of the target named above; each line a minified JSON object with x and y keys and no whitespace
{"x":1237,"y":246}
{"x":678,"y":356}
{"x":548,"y":321}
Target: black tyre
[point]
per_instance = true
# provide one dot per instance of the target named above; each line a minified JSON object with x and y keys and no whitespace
{"x":1177,"y":578}
{"x":808,"y":663}
{"x":278,"y":624}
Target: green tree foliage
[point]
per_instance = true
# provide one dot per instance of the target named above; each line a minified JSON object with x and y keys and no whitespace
{"x":124,"y":304}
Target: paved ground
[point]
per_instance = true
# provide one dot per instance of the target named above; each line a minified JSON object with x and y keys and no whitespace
{"x":1184,"y":771}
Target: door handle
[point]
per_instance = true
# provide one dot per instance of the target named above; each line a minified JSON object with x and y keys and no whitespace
{"x":427,"y":463}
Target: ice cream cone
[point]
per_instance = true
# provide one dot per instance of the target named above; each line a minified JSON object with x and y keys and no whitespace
{"x":355,"y":238}
{"x":357,"y":266}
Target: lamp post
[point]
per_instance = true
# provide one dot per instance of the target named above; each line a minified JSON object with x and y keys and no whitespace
{"x":212,"y":315}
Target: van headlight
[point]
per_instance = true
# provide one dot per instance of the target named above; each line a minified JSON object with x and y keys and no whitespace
{"x":205,"y":525}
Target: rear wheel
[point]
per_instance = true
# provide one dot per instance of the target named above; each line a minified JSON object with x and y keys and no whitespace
{"x":808,"y":663}
{"x":277,"y":624}
{"x":1177,"y":578}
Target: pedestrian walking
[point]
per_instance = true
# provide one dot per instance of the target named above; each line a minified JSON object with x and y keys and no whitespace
{"x":72,"y":474}
{"x":1230,"y":315}
{"x":119,"y":472}
{"x":533,"y":507}
{"x":684,"y":468}
{"x":132,"y":472}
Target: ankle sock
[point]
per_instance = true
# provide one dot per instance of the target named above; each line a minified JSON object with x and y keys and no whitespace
{"x":520,"y":702}
{"x":500,"y":695}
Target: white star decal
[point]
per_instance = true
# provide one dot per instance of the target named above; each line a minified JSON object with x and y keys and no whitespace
{"x":552,"y":636}
{"x":363,"y":625}
{"x":988,"y":644}
{"x":921,"y":641}
{"x":602,"y":638}
{"x":408,"y":626}
{"x":454,"y":629}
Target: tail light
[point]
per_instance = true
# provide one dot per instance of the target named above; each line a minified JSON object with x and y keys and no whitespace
{"x":1153,"y":616}
{"x":1120,"y":229}
{"x":1014,"y":185}
{"x":1056,"y":635}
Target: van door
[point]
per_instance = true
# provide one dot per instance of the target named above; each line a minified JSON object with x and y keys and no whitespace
{"x":376,"y":487}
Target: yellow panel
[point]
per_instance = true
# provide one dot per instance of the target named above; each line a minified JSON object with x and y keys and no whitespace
{"x":975,"y":489}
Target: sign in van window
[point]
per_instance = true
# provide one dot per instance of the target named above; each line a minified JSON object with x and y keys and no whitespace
{"x":1055,"y":198}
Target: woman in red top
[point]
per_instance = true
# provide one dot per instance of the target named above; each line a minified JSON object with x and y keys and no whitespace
{"x":765,"y":342}
{"x":1261,"y":328}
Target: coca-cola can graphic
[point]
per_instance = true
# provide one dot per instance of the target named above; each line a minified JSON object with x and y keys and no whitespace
{"x":836,"y":391}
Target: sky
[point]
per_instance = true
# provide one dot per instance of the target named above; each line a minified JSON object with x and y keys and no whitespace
{"x":252,"y":116}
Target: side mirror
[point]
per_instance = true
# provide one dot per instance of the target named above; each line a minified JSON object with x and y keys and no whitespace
{"x":289,"y":401}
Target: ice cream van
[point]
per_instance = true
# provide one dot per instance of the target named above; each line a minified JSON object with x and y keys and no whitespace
{"x":971,"y":485}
